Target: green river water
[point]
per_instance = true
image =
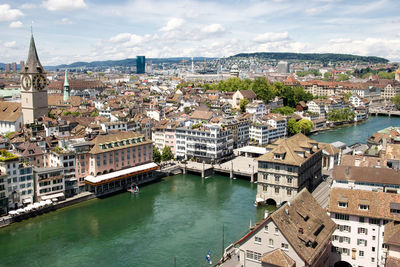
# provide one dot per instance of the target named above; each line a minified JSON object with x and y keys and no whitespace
{"x":180,"y":216}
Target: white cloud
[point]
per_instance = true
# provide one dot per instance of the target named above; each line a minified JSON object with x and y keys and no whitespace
{"x":27,"y":6}
{"x":340,"y":40}
{"x":213,"y":28}
{"x":271,"y":37}
{"x":172,"y":24}
{"x":9,"y":14}
{"x":316,"y":10}
{"x":10,"y":44}
{"x":16,"y":24}
{"x":65,"y":5}
{"x":64,"y":21}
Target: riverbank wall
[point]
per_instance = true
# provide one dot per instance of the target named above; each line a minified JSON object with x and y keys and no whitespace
{"x":7,"y":220}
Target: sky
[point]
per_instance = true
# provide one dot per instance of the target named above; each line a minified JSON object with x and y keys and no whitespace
{"x":67,"y":31}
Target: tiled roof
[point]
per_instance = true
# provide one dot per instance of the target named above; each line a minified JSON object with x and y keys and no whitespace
{"x":290,"y":146}
{"x":279,"y":258}
{"x":111,"y":142}
{"x":392,"y":233}
{"x":304,"y":224}
{"x":379,"y":203}
{"x":392,"y":262}
{"x":366,"y":174}
{"x":10,"y":111}
{"x":202,"y":115}
{"x":248,"y":94}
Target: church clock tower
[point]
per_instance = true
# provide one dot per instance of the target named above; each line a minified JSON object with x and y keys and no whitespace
{"x":33,"y":87}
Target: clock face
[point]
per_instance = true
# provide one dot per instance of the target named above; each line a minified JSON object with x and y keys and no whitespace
{"x":26,"y":82}
{"x":39,"y":82}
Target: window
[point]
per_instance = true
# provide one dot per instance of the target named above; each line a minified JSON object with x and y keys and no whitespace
{"x":271,"y":242}
{"x":361,"y":253}
{"x":257,"y":239}
{"x":372,"y":259}
{"x":290,"y":169}
{"x":276,"y":190}
{"x":374,"y":221}
{"x":362,"y":242}
{"x":344,"y":217}
{"x":373,"y":249}
{"x":289,"y":180}
{"x":363,"y":207}
{"x":361,"y":219}
{"x":276,"y":230}
{"x":373,"y":237}
{"x":265,"y":188}
{"x":251,"y":255}
{"x":266,"y":228}
{"x":285,"y":246}
{"x":342,"y":204}
{"x":277,"y":167}
{"x":289,"y":192}
{"x":277,"y":178}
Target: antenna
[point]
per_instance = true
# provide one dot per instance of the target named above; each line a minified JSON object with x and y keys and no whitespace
{"x":32,"y":27}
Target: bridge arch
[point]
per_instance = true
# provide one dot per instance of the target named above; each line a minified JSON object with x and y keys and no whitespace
{"x":271,"y":202}
{"x":342,"y":264}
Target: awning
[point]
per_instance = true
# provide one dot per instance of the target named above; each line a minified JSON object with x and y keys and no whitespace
{"x":116,"y":175}
{"x":27,"y":200}
{"x":52,"y":196}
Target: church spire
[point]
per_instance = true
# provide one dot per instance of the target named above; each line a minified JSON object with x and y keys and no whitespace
{"x":66,"y":79}
{"x":66,"y":87}
{"x":33,"y":64}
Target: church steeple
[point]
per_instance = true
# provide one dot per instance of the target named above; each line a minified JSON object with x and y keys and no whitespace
{"x":66,"y":87}
{"x":33,"y":63}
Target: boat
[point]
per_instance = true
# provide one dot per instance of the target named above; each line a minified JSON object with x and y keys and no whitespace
{"x":133,"y":188}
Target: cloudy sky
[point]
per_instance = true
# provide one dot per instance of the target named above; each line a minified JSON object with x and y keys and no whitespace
{"x":86,"y":30}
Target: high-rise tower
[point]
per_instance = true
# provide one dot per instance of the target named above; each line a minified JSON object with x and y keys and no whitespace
{"x":66,"y":87}
{"x":33,"y":87}
{"x":140,"y":64}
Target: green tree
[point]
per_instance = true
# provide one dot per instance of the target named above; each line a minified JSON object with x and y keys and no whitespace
{"x":262,"y":89}
{"x":156,"y":155}
{"x":293,"y":127}
{"x":167,"y":154}
{"x":386,"y":75}
{"x":347,"y":95}
{"x":305,"y":126}
{"x":327,"y":76}
{"x":284,"y":110}
{"x":243,"y":104}
{"x":342,"y":77}
{"x":396,"y":101}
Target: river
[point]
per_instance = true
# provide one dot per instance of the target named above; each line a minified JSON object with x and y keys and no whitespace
{"x":357,"y":133}
{"x":180,"y":216}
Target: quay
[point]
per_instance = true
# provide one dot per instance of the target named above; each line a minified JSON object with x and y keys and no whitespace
{"x":7,"y":220}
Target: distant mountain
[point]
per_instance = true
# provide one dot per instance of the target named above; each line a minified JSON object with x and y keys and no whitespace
{"x":324,"y":58}
{"x":125,"y":62}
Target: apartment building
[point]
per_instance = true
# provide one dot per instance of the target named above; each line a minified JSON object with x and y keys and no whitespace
{"x":259,"y":132}
{"x":361,"y":217}
{"x":391,"y":89}
{"x":289,"y":166}
{"x":391,"y":244}
{"x":18,"y":182}
{"x":209,"y":143}
{"x":257,"y":107}
{"x":64,"y":158}
{"x":299,"y":233}
{"x":279,"y":126}
{"x":49,"y":183}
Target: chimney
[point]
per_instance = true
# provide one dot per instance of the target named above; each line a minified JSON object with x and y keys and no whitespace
{"x":301,"y":230}
{"x":287,"y":211}
{"x":266,"y":214}
{"x":357,"y":162}
{"x":347,"y":171}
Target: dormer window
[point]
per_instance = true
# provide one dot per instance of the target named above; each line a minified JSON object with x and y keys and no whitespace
{"x":342,"y":204}
{"x":363,"y":207}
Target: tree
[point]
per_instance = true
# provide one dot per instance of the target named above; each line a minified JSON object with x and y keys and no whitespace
{"x":167,"y":154}
{"x":396,"y":101}
{"x":305,"y":126}
{"x":293,"y":127}
{"x":284,"y":110}
{"x":342,"y":77}
{"x":156,"y":155}
{"x":243,"y":104}
{"x":347,"y":95}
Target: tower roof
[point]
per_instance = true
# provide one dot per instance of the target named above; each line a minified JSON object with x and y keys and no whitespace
{"x":33,"y":64}
{"x":66,"y":79}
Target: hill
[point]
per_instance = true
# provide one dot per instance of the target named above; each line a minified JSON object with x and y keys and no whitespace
{"x":323,"y":58}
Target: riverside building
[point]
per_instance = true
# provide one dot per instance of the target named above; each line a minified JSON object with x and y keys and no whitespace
{"x":208,"y":143}
{"x":289,"y":166}
{"x":361,"y":217}
{"x":115,"y":161}
{"x":297,"y":234}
